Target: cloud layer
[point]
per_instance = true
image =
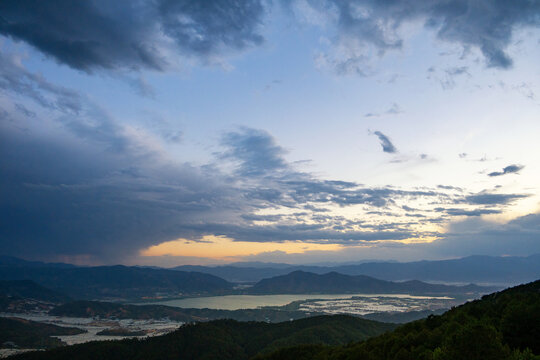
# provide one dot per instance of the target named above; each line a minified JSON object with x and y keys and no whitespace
{"x":151,"y":34}
{"x":76,"y":182}
{"x":88,"y":35}
{"x":97,"y":188}
{"x":368,"y":28}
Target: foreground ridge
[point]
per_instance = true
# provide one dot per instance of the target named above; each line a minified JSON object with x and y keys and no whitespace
{"x":502,"y":325}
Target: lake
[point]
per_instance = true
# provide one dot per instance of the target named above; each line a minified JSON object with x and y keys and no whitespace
{"x":236,"y":302}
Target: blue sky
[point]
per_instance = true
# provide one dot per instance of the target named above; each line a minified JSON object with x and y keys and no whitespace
{"x":174,"y":132}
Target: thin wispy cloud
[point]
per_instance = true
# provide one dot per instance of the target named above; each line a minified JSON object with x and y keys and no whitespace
{"x":510,"y":169}
{"x":387,"y":145}
{"x":394,"y":109}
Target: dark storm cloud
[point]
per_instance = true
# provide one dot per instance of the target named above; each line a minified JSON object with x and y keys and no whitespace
{"x":386,"y":144}
{"x":87,"y":35}
{"x":101,"y":34}
{"x":484,"y":25}
{"x":109,"y":195}
{"x":510,"y":169}
{"x":84,"y":34}
{"x":76,"y":182}
{"x":104,"y":196}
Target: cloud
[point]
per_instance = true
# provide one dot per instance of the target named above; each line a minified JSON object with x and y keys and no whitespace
{"x":256,"y":151}
{"x":486,"y":198}
{"x":447,"y":77}
{"x":449,"y":187}
{"x":313,"y":233}
{"x":367,"y":28}
{"x":78,"y":182}
{"x":112,"y":194}
{"x":395,"y":109}
{"x":510,"y":169}
{"x":468,"y":212}
{"x":386,"y":144}
{"x":128,"y":35}
{"x":518,"y":237}
{"x":15,"y":79}
{"x":132,"y":35}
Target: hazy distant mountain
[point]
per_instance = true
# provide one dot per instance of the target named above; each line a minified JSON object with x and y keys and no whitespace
{"x":301,"y":282}
{"x":477,"y":269}
{"x":260,"y":264}
{"x":117,"y":281}
{"x":28,"y":289}
{"x":13,"y":261}
{"x":239,"y":274}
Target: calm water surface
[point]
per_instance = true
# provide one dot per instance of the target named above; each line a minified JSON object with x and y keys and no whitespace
{"x":235,"y":302}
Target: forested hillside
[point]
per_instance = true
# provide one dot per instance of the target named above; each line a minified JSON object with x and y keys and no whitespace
{"x":15,"y":332}
{"x":109,"y":310}
{"x":224,"y":339}
{"x":500,"y":326}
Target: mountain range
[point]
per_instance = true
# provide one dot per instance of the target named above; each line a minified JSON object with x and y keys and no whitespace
{"x":134,"y":282}
{"x":118,"y":282}
{"x":494,"y":270}
{"x":301,"y":282}
{"x":500,"y":326}
{"x":27,"y":289}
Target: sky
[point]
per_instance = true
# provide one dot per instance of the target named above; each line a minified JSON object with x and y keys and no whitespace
{"x":162,"y":132}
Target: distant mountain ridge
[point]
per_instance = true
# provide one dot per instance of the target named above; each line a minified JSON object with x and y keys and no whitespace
{"x":118,"y":282}
{"x":471,"y":269}
{"x":30,"y":290}
{"x":13,"y":261}
{"x":301,"y":282}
